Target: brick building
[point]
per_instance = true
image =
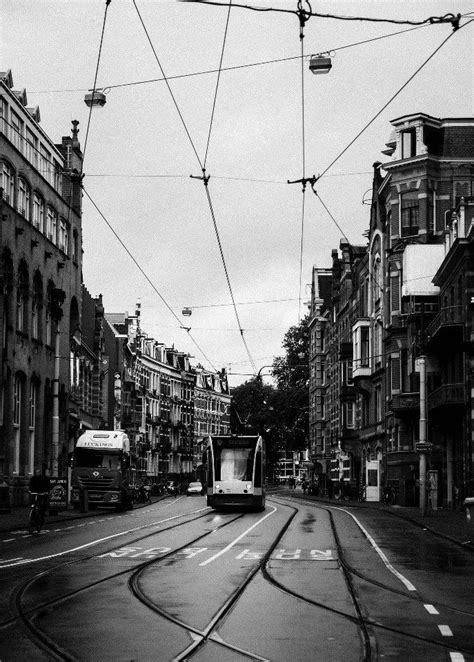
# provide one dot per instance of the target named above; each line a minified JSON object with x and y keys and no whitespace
{"x":40,"y":274}
{"x":406,"y":299}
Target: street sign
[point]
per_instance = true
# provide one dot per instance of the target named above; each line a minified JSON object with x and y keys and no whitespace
{"x":423,"y":447}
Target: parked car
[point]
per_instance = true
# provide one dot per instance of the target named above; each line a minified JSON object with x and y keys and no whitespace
{"x":195,"y":489}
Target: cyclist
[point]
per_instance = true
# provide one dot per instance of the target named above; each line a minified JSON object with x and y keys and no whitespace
{"x":40,"y":485}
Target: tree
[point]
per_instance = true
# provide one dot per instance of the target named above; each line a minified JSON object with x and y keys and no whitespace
{"x":292,"y":376}
{"x":279,"y":413}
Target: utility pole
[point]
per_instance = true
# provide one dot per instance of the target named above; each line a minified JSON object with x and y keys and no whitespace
{"x":422,"y":447}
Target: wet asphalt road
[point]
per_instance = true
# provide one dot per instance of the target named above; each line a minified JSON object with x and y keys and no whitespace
{"x":176,"y":580}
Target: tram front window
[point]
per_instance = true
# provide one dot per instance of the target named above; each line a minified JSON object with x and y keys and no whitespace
{"x":234,"y":464}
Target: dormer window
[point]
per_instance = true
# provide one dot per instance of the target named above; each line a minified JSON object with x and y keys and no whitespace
{"x":408,"y":143}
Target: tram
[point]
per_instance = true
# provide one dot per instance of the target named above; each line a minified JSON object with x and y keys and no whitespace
{"x":236,"y":472}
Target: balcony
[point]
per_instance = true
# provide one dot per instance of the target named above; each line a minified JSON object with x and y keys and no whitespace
{"x":448,"y":395}
{"x":371,"y":431}
{"x":405,"y":402}
{"x":446,"y":326}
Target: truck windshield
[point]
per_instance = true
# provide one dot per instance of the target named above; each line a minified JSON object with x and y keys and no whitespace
{"x":88,"y":457}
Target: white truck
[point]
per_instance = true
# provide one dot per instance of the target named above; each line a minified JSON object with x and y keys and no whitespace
{"x":101,"y":472}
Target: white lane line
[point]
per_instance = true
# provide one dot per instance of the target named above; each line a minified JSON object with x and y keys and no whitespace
{"x":456,"y":657}
{"x":431,"y":609}
{"x":445,"y":630}
{"x":8,"y":540}
{"x":242,"y":535}
{"x":9,"y":563}
{"x":385,"y":560}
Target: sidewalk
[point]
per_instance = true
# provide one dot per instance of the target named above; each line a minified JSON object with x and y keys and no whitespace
{"x":447,"y":523}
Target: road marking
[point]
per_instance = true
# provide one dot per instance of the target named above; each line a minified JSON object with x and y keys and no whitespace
{"x":385,"y":560}
{"x":445,"y":630}
{"x":456,"y":657}
{"x":234,"y":542}
{"x":431,"y":609}
{"x":9,"y":563}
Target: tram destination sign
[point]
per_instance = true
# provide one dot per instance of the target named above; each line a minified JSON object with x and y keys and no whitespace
{"x":235,"y":442}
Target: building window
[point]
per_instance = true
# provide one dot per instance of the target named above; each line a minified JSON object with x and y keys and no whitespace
{"x":17,"y":407}
{"x":408,"y":143}
{"x":17,"y":130}
{"x":346,"y":372}
{"x":394,"y":293}
{"x":4,"y":117}
{"x":23,"y":201}
{"x":57,"y":176}
{"x":63,"y":236}
{"x":350,"y":418}
{"x":364,"y":346}
{"x":32,"y":426}
{"x":20,"y":310}
{"x":38,"y":212}
{"x":45,"y":163}
{"x":378,"y":402}
{"x":34,"y":318}
{"x":8,"y":184}
{"x":47,"y":325}
{"x":51,"y":224}
{"x":31,"y":148}
{"x":410,"y":214}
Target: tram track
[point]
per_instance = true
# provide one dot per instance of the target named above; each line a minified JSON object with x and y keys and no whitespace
{"x":366,"y":622}
{"x":367,"y":626}
{"x":26,"y":616}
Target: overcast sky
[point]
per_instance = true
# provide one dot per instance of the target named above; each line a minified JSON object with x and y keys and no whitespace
{"x":140,"y":154}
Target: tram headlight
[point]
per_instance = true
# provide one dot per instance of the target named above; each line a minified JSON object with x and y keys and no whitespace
{"x":218,"y":487}
{"x":249,"y":486}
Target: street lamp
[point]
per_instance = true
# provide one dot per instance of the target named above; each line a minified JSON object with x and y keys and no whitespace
{"x":320,"y":64}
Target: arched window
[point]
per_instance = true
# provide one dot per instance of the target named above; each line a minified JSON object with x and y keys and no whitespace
{"x":18,"y":404}
{"x":32,"y":418}
{"x":51,"y":224}
{"x":36,"y":306}
{"x":38,"y":212}
{"x":8,"y":183}
{"x":23,"y":198}
{"x":22,"y":299}
{"x":63,"y":236}
{"x":75,"y":245}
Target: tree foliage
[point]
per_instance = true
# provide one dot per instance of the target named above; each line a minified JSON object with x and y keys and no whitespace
{"x":278,"y":412}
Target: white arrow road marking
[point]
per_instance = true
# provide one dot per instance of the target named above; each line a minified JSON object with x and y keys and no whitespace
{"x":242,"y":535}
{"x":14,"y":562}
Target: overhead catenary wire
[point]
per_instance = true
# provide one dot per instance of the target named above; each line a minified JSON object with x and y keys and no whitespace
{"x":147,"y":278}
{"x":217,"y":87}
{"x":205,"y":180}
{"x":94,"y":89}
{"x":303,"y":160}
{"x":300,"y":12}
{"x":205,"y":72}
{"x":405,"y":84}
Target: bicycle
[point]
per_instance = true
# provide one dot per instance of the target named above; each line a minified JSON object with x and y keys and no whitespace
{"x":37,"y":511}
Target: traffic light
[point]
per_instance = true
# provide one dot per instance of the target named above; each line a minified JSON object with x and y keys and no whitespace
{"x":57,"y":300}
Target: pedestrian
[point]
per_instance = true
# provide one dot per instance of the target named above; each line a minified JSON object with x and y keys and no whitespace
{"x":304,"y":485}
